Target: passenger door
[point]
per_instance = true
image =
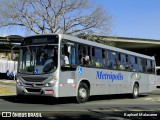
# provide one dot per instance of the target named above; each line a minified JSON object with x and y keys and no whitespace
{"x":68,"y":69}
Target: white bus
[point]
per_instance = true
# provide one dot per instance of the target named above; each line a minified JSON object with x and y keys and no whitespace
{"x":60,"y":65}
{"x":158,"y":76}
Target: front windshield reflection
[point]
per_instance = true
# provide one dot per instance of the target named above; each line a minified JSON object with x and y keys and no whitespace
{"x":38,"y":59}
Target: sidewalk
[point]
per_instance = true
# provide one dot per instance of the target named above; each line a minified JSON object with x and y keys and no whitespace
{"x":7,"y":87}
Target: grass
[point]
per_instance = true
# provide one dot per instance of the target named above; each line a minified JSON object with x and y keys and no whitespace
{"x":6,"y":90}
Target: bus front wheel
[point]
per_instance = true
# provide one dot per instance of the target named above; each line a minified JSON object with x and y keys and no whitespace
{"x":135,"y":91}
{"x":83,"y":93}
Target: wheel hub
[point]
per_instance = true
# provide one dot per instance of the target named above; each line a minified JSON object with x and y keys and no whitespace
{"x":135,"y":91}
{"x":82,"y":93}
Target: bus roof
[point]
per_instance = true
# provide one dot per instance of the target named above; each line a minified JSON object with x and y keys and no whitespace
{"x":87,"y":42}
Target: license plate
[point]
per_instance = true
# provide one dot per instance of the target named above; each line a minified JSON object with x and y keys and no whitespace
{"x":49,"y":91}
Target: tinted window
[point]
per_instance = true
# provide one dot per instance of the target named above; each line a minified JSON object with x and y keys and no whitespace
{"x":122,"y":62}
{"x":132,"y":63}
{"x":84,"y":57}
{"x":113,"y":60}
{"x":97,"y":58}
{"x":143,"y":65}
{"x":68,"y":55}
{"x":149,"y":66}
{"x":153,"y":67}
{"x":139,"y":62}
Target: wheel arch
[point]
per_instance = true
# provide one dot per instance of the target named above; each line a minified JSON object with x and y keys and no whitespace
{"x":86,"y":82}
{"x":135,"y":90}
{"x":136,"y":82}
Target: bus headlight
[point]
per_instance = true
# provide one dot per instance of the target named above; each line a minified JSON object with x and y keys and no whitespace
{"x":19,"y":82}
{"x":51,"y":83}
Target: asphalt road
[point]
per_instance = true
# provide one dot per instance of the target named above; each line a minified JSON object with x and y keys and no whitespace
{"x":98,"y":107}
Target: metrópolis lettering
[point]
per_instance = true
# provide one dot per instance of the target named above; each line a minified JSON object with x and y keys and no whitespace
{"x":108,"y":76}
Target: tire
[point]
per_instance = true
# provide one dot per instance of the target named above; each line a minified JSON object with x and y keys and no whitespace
{"x":83,"y":93}
{"x":135,"y":91}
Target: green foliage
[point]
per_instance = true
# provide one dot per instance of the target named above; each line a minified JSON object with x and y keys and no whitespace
{"x":99,"y":39}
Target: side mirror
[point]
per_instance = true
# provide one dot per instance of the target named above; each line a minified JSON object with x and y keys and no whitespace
{"x":13,"y":55}
{"x":69,"y":49}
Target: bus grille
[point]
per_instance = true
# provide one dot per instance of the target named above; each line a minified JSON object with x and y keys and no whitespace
{"x":33,"y":90}
{"x":36,"y":84}
{"x":34,"y":79}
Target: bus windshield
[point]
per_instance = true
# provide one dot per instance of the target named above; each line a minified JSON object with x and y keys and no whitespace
{"x":38,"y":59}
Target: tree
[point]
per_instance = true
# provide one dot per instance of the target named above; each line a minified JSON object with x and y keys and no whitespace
{"x":99,"y":39}
{"x":50,"y":16}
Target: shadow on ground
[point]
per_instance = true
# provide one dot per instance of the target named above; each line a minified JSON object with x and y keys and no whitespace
{"x":97,"y":114}
{"x":54,"y":101}
{"x":112,"y":97}
{"x":38,"y":100}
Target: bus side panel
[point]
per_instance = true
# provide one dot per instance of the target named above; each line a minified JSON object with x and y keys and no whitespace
{"x":67,"y":81}
{"x":124,"y":85}
{"x":152,"y":82}
{"x":146,"y":82}
{"x":97,"y":86}
{"x":142,"y":81}
{"x":158,"y":81}
{"x":104,"y":81}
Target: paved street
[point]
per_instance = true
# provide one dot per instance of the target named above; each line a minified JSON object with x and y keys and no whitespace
{"x":110,"y":106}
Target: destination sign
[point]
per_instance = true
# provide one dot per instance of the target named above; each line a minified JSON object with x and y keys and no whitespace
{"x":44,"y":39}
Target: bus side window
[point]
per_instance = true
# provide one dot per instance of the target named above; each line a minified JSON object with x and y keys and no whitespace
{"x":143,"y":65}
{"x":89,"y":61}
{"x":83,"y":55}
{"x":97,"y":59}
{"x":80,"y":54}
{"x":139,"y":62}
{"x":153,"y":67}
{"x":127,"y":62}
{"x":118,"y":59}
{"x":65,"y":55}
{"x":133,"y":63}
{"x":149,"y":66}
{"x":107,"y":58}
{"x":68,"y":56}
{"x":113,"y":60}
{"x":73,"y":55}
{"x":93,"y":56}
{"x":104,"y":61}
{"x":122,"y":62}
{"x":110,"y":63}
{"x":136,"y":64}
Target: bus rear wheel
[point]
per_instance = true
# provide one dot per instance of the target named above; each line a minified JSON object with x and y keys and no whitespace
{"x":83,"y":93}
{"x":135,"y":91}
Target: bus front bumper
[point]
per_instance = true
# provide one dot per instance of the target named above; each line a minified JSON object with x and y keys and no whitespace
{"x":37,"y":91}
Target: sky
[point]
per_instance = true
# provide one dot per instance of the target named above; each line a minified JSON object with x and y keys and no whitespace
{"x":134,"y":18}
{"x":130,"y":18}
